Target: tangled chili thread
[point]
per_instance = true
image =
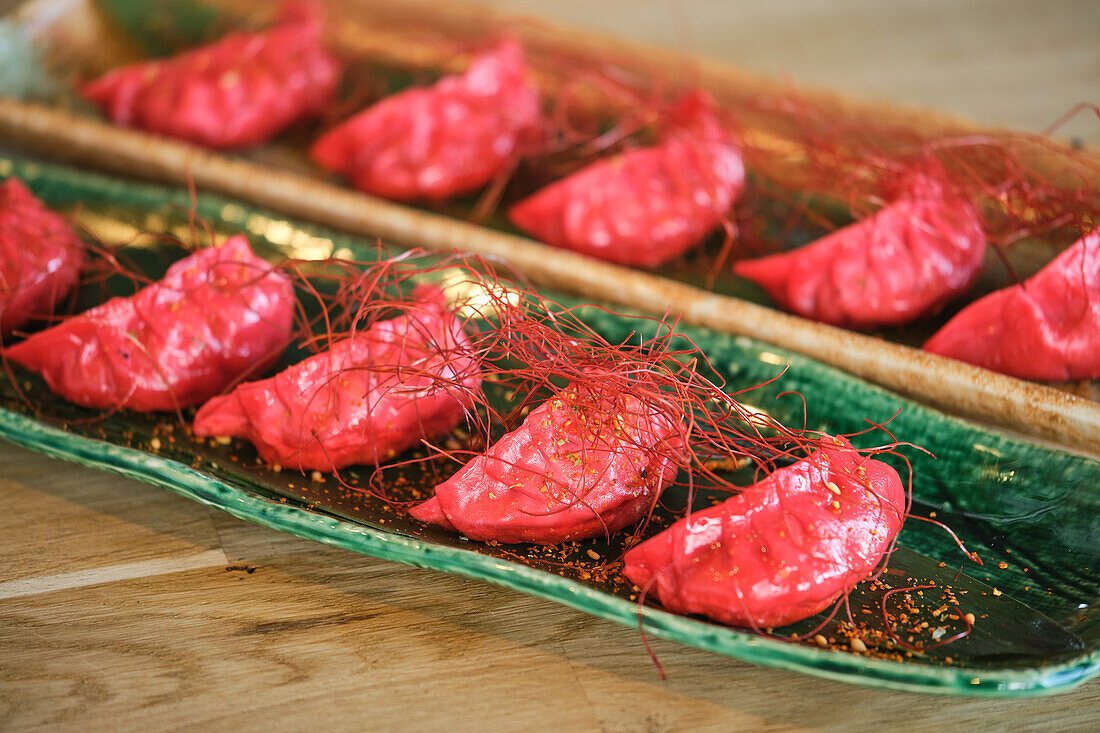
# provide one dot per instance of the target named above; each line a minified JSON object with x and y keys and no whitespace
{"x":813,"y":168}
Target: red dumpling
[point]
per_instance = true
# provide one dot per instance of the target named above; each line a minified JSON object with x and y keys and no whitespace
{"x":903,"y":263}
{"x":40,"y":257}
{"x":585,"y":463}
{"x":1047,"y":328}
{"x":647,"y":206}
{"x":234,"y":93}
{"x":216,"y":315}
{"x":781,"y":550}
{"x":366,"y":399}
{"x":438,"y":141}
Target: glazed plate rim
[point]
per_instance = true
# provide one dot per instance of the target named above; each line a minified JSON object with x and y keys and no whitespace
{"x":394,"y":546}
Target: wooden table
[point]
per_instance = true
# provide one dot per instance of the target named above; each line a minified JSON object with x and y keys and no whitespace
{"x":1010,"y":63}
{"x":124,"y":606}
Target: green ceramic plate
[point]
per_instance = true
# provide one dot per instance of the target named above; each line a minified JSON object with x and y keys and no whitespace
{"x":1034,"y":510}
{"x":165,"y":27}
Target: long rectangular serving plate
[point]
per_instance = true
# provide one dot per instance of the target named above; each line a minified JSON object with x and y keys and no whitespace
{"x":75,"y":38}
{"x":1029,"y":511}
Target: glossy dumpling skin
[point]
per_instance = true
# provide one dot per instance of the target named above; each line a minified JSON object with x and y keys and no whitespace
{"x":40,"y":257}
{"x":217,"y":315}
{"x":364,"y":400}
{"x":583,"y":464}
{"x":1048,"y":328}
{"x":237,"y":92}
{"x":439,"y":141}
{"x":646,"y":206}
{"x":784,"y":548}
{"x":903,"y":263}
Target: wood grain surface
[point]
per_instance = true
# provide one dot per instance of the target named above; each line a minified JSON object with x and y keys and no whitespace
{"x":1009,"y":63}
{"x":123,"y":606}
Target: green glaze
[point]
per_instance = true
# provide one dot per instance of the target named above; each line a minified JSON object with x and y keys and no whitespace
{"x":1012,"y":501}
{"x":22,"y":73}
{"x":163,"y":27}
